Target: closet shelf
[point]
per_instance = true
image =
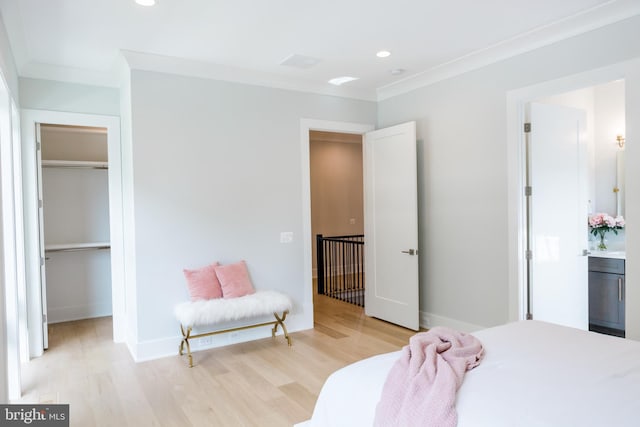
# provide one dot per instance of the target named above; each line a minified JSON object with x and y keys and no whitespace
{"x":74,"y":164}
{"x":72,"y":247}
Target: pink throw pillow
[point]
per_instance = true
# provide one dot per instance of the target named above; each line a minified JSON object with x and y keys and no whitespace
{"x":234,"y":280}
{"x":203,"y":283}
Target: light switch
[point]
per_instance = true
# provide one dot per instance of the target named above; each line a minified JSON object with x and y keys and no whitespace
{"x":286,"y":237}
{"x":352,"y":221}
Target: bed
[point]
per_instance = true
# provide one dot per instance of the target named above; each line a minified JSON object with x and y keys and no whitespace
{"x":533,"y":374}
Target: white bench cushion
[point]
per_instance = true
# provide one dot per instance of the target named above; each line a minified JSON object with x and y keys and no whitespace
{"x":219,"y":310}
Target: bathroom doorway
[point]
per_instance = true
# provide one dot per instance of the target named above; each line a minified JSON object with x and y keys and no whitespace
{"x":597,"y":183}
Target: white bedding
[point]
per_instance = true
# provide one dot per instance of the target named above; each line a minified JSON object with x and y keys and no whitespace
{"x":533,"y":374}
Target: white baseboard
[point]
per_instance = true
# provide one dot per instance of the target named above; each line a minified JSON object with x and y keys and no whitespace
{"x":429,"y":320}
{"x":164,"y":347}
{"x":68,"y":314}
{"x":133,"y":349}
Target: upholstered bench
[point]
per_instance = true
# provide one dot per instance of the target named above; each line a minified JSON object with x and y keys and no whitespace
{"x":220,"y":310}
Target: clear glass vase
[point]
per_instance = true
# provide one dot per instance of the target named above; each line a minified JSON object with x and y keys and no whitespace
{"x":602,"y":244}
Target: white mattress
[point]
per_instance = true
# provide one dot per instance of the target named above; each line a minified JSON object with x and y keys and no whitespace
{"x":533,"y":374}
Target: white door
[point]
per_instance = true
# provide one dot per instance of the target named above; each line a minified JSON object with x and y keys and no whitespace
{"x":43,"y":275}
{"x":391,"y":225}
{"x":559,"y":215}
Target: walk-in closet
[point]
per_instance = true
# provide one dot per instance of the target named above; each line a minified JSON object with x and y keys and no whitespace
{"x":75,"y":222}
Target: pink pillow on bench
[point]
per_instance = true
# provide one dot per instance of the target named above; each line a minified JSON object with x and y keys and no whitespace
{"x":234,"y":280}
{"x":203,"y":283}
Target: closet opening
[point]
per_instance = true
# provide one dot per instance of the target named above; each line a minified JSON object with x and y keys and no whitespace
{"x":73,"y":190}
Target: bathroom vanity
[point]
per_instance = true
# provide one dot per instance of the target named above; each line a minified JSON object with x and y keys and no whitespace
{"x":607,"y":292}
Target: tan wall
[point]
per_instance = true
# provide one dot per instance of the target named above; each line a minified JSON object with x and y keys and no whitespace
{"x":73,"y":143}
{"x":336,"y":185}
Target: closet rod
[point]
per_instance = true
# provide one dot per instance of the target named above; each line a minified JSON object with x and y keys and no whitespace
{"x":77,"y":249}
{"x":74,"y":164}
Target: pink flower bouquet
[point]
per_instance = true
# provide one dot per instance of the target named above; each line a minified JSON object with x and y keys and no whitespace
{"x":601,"y":223}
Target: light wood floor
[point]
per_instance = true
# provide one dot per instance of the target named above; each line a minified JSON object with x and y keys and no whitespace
{"x":259,"y":383}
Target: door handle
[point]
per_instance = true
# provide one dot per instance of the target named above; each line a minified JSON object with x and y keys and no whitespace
{"x":620,"y":289}
{"x":410,"y":252}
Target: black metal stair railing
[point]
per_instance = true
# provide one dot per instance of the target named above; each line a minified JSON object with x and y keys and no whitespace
{"x":340,"y":266}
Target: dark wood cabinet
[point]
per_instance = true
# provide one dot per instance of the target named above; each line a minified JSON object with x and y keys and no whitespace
{"x":606,"y":295}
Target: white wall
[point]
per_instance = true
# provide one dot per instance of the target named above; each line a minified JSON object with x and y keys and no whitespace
{"x":7,"y":62}
{"x":463,"y":197}
{"x":76,"y":210}
{"x":217,"y":176}
{"x":128,"y":209}
{"x":9,"y":75}
{"x":609,"y":122}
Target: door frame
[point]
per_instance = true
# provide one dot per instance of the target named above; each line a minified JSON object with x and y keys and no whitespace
{"x":307,"y":125}
{"x":516,"y":117}
{"x":32,"y":245}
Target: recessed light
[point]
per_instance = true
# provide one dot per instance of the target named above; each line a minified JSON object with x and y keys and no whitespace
{"x":146,"y":2}
{"x":383,"y":54}
{"x":342,"y":80}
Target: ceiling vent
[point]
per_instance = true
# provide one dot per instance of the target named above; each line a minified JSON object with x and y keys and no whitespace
{"x":299,"y":61}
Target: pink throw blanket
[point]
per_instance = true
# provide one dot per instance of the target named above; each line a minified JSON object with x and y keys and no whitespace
{"x":421,"y":387}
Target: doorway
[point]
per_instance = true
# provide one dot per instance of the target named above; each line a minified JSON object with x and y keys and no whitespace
{"x":35,"y":253}
{"x":73,"y":171}
{"x":306,"y":126}
{"x":337,"y":215}
{"x":390,"y":214}
{"x":594,"y":187}
{"x":600,"y":95}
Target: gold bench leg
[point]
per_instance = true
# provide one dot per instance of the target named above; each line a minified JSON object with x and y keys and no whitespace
{"x":185,"y":341}
{"x":280,"y":321}
{"x":186,"y":334}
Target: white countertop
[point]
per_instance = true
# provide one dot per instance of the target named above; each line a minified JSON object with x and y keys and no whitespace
{"x":608,"y":254}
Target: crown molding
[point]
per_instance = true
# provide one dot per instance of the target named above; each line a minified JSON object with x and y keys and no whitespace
{"x":207,"y":70}
{"x":183,"y":67}
{"x":591,"y":19}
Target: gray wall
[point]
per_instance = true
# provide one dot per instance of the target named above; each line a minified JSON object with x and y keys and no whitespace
{"x":217,"y":177}
{"x":463,"y":170}
{"x":69,"y":97}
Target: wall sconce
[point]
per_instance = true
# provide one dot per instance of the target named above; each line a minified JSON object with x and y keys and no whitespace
{"x":620,"y":140}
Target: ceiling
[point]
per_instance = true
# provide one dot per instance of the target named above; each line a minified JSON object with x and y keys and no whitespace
{"x":246,"y":40}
